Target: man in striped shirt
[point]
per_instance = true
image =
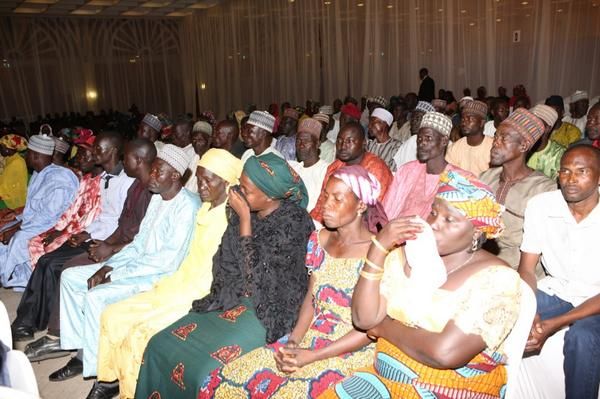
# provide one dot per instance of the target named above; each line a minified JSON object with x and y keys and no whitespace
{"x":380,"y":143}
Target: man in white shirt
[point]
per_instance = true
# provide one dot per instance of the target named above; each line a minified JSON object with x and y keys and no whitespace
{"x":562,"y":227}
{"x":311,"y":169}
{"x":499,"y":112}
{"x":257,"y":135}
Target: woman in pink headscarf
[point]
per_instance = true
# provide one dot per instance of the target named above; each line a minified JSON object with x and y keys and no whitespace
{"x":323,"y":347}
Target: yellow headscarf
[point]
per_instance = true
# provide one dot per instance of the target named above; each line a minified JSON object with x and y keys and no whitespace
{"x":223,"y":164}
{"x":14,"y":142}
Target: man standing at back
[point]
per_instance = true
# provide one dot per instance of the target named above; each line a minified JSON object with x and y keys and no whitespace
{"x":427,"y":87}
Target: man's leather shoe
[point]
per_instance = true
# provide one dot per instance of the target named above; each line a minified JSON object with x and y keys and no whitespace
{"x":22,"y":333}
{"x":73,"y":368}
{"x":103,"y":391}
{"x":44,"y":348}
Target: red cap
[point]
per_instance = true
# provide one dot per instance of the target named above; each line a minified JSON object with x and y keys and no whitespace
{"x":351,"y":110}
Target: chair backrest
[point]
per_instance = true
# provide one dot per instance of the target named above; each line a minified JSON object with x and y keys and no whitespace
{"x":20,"y":373}
{"x":516,"y":340}
{"x":5,"y":332}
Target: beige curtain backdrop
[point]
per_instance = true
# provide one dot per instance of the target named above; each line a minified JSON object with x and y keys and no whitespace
{"x":261,"y":51}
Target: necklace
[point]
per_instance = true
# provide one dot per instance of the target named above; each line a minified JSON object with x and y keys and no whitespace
{"x":462,"y":264}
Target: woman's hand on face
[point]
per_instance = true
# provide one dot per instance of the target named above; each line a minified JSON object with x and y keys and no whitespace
{"x":399,"y":230}
{"x":238,"y":203}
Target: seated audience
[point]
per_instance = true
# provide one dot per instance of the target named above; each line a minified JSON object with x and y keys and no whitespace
{"x":226,"y":136}
{"x":408,"y":151}
{"x":13,"y":177}
{"x":311,"y":169}
{"x":259,"y":282}
{"x":436,"y":340}
{"x":499,"y":111}
{"x":51,"y":191}
{"x":323,"y":347}
{"x":416,"y":182}
{"x":350,"y":150}
{"x":561,"y":227}
{"x":546,"y":153}
{"x":380,"y":143}
{"x":578,"y":108}
{"x":472,"y":152}
{"x":150,"y":129}
{"x":563,"y":133}
{"x":592,"y":128}
{"x":126,"y":326}
{"x":400,"y":129}
{"x":513,"y":182}
{"x":44,"y":305}
{"x":286,"y":138}
{"x":157,"y":250}
{"x":257,"y":135}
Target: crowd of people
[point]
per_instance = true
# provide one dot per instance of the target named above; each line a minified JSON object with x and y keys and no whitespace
{"x":354,"y":250}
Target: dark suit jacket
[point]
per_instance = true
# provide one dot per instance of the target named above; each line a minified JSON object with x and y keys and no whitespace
{"x":427,"y":89}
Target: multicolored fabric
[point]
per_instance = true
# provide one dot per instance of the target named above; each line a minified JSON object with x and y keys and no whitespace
{"x":474,"y":199}
{"x":82,"y":212}
{"x":197,"y":343}
{"x":547,"y":160}
{"x":255,"y":375}
{"x":14,"y":142}
{"x":274,"y":177}
{"x":529,"y":126}
{"x":486,"y":304}
{"x":396,"y":375}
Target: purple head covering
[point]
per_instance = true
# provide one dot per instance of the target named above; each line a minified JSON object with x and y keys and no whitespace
{"x":367,"y":188}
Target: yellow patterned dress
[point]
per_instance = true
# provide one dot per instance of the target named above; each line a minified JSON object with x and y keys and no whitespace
{"x":487,"y":304}
{"x":255,"y":374}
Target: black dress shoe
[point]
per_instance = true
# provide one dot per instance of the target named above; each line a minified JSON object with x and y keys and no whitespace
{"x":22,"y":333}
{"x":101,"y":390}
{"x":44,"y":348}
{"x":73,"y":368}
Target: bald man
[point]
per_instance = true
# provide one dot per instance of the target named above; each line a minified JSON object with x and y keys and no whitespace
{"x":226,"y":136}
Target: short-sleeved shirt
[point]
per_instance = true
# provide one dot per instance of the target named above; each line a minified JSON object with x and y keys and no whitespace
{"x":566,"y":247}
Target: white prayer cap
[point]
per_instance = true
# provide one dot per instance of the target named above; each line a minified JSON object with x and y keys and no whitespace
{"x":202,"y":126}
{"x":384,"y":115}
{"x":41,"y":143}
{"x":438,"y":122}
{"x":263,"y":120}
{"x":61,"y":145}
{"x":579,"y":95}
{"x":175,"y":157}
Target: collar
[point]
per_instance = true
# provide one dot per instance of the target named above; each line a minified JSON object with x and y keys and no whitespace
{"x":117,"y":171}
{"x":562,"y":211}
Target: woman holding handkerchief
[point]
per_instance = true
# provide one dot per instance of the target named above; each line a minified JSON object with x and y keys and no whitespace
{"x":439,"y":306}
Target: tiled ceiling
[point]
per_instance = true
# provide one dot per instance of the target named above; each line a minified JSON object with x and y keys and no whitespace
{"x":106,"y":8}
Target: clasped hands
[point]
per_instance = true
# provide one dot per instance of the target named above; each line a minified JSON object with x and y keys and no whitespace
{"x":290,"y":358}
{"x":100,"y":277}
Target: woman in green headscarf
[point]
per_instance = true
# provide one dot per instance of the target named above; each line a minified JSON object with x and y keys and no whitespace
{"x":259,"y":283}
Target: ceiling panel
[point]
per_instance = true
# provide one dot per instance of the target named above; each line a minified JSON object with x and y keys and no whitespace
{"x":153,"y":8}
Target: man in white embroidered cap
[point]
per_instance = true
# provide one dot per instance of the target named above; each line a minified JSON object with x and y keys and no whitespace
{"x":51,"y":190}
{"x":156,"y":251}
{"x":257,"y":135}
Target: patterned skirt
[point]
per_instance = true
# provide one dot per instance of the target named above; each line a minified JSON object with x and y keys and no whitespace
{"x":396,"y":375}
{"x":180,"y":357}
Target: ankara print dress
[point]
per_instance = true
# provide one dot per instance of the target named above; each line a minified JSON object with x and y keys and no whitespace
{"x":255,"y":374}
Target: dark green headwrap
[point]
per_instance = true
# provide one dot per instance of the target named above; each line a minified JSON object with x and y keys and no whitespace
{"x":274,"y":177}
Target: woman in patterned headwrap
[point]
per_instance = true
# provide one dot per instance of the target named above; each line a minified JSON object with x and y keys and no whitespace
{"x":323,"y":347}
{"x":259,"y":282}
{"x":451,"y":345}
{"x":13,"y":179}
